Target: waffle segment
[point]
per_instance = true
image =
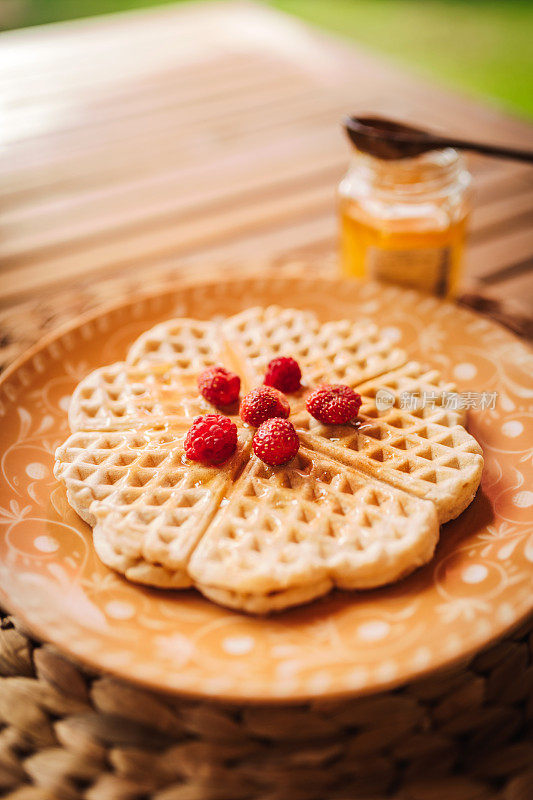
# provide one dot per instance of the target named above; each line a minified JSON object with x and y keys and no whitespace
{"x":123,"y":396}
{"x":336,"y":352}
{"x":351,"y":353}
{"x":258,"y":335}
{"x":422,"y":450}
{"x":188,"y":344}
{"x":297,"y":531}
{"x":147,"y":506}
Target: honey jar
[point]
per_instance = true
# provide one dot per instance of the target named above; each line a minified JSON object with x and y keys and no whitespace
{"x":403,"y":220}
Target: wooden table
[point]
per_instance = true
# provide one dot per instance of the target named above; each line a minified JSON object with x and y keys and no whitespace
{"x":138,"y":147}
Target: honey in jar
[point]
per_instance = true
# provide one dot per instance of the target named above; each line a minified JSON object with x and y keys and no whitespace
{"x":403,"y":220}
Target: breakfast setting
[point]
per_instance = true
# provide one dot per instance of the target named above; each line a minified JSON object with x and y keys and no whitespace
{"x":266,"y":406}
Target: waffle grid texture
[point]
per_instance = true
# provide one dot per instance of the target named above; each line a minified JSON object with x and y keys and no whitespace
{"x":67,"y":734}
{"x":247,"y":535}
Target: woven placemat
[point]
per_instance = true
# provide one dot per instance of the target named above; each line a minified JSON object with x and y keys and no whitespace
{"x":68,"y":734}
{"x":464,"y":734}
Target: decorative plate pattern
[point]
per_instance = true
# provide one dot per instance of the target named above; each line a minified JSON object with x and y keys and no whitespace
{"x":478,"y":585}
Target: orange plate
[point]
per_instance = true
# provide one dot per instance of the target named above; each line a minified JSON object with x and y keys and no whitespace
{"x":478,"y":585}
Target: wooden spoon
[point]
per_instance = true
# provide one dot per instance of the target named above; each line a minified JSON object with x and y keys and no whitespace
{"x":387,"y":139}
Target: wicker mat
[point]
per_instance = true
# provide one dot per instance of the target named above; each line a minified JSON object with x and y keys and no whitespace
{"x":460,"y":735}
{"x":67,"y":734}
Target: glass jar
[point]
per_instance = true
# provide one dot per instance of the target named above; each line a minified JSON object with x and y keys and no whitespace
{"x":404,"y":221}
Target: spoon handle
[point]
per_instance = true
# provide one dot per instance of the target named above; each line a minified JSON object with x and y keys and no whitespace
{"x":487,"y":149}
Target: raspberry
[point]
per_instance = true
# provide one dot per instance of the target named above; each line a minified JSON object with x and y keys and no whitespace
{"x":211,"y":439}
{"x":218,"y":386}
{"x":276,"y":442}
{"x":262,"y":404}
{"x":334,"y":405}
{"x":284,"y":374}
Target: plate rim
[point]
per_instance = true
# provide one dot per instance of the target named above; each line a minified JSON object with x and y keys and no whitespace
{"x":38,"y":630}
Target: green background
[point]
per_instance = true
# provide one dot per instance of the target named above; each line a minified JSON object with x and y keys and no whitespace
{"x":484,"y":47}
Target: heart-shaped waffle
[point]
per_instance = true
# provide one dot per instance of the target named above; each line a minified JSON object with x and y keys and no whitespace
{"x":358,"y":507}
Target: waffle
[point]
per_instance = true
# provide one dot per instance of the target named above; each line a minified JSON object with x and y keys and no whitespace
{"x":147,"y":505}
{"x":287,"y":536}
{"x":188,"y":344}
{"x":121,"y":396}
{"x":358,"y":507}
{"x":340,"y":351}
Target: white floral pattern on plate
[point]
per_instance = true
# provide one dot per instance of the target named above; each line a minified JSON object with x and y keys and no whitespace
{"x":477,"y":586}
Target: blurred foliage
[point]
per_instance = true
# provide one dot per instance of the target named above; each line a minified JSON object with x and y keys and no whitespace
{"x":480,"y":46}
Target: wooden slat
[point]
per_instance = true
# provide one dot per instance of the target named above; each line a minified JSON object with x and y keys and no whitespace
{"x":503,"y":215}
{"x":143,"y":155}
{"x":505,"y":179}
{"x":519,"y":290}
{"x":116,"y":214}
{"x":140,"y":247}
{"x":499,"y":255}
{"x":168,"y":139}
{"x":316,"y":234}
{"x":90,"y":122}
